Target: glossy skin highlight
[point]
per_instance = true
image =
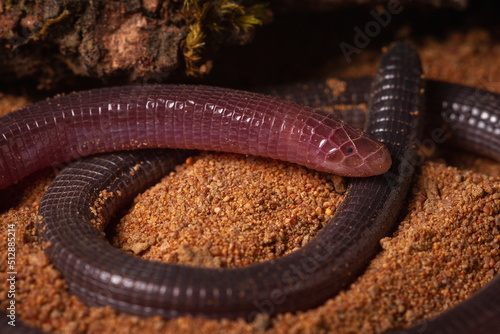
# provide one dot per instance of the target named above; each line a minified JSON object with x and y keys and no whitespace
{"x":300,"y":280}
{"x":176,"y":116}
{"x":452,"y":105}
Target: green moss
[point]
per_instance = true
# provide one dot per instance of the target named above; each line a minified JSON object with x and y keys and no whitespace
{"x":216,"y":18}
{"x":193,"y":48}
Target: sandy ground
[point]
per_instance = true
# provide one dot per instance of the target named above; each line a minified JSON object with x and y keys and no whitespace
{"x":445,"y":248}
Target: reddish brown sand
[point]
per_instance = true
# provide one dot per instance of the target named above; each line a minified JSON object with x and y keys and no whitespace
{"x":228,"y":210}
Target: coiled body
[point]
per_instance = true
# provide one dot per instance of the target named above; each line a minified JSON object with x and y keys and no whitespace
{"x":471,"y":118}
{"x":353,"y":249}
{"x":300,"y":280}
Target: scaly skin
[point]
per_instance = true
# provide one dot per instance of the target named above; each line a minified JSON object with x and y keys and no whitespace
{"x":337,"y":255}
